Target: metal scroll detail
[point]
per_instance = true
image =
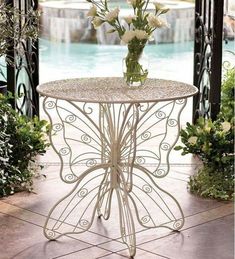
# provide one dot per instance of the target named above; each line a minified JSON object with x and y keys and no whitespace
{"x":23,"y":77}
{"x":27,"y":71}
{"x":208,"y":57}
{"x":26,"y":82}
{"x":108,"y":149}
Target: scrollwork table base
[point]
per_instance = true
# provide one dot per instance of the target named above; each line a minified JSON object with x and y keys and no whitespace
{"x":114,"y":140}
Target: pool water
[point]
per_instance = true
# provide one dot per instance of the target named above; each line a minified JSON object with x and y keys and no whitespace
{"x":169,"y":61}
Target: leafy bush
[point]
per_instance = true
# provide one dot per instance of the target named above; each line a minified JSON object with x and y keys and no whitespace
{"x":227,"y":98}
{"x":21,"y":140}
{"x":213,"y":184}
{"x":213,"y":143}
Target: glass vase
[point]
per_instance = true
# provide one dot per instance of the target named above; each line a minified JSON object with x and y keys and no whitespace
{"x":135,"y":69}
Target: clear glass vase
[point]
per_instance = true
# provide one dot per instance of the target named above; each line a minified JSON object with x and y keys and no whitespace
{"x":135,"y":69}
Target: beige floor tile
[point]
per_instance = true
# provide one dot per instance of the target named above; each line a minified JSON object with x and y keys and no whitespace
{"x":213,"y":240}
{"x":113,"y":256}
{"x":90,"y":238}
{"x":22,"y":240}
{"x":209,"y":215}
{"x":142,"y":254}
{"x":113,"y":246}
{"x":91,"y":253}
{"x":39,"y":220}
{"x":46,"y":194}
{"x":21,"y":214}
{"x":191,"y":221}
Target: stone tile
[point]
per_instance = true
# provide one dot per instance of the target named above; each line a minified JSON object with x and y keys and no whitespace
{"x":209,"y":215}
{"x":152,"y":234}
{"x":22,"y":240}
{"x":190,"y":204}
{"x":46,"y":194}
{"x":33,"y":207}
{"x":111,"y":227}
{"x":45,"y":198}
{"x":211,"y":240}
{"x":39,"y":220}
{"x":140,"y":254}
{"x":113,"y":256}
{"x":91,"y":253}
{"x":113,"y":245}
{"x":21,"y":214}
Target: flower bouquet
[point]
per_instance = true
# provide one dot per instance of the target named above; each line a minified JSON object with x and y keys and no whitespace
{"x":135,"y":33}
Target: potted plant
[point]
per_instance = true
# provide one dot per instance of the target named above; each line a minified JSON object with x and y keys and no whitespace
{"x":16,"y":27}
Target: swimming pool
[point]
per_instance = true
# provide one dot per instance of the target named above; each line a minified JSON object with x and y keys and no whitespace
{"x":169,"y":61}
{"x":58,"y":60}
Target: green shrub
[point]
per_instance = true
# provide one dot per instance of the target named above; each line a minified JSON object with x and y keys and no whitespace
{"x":227,"y":96}
{"x":213,"y":184}
{"x":21,"y":140}
{"x":213,"y":143}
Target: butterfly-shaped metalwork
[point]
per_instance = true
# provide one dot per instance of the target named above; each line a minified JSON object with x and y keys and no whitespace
{"x":113,"y":148}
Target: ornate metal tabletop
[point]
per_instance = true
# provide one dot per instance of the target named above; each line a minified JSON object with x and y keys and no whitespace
{"x":114,"y":90}
{"x":114,"y":140}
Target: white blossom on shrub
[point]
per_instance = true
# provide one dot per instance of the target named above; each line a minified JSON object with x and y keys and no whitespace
{"x":226,"y":126}
{"x":192,"y":140}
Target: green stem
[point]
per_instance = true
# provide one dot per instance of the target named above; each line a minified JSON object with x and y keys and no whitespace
{"x":134,"y":70}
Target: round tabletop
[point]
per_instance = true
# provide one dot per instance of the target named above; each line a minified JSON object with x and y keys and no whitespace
{"x":114,"y":90}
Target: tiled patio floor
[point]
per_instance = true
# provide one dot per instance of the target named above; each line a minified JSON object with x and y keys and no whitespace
{"x":207,"y":233}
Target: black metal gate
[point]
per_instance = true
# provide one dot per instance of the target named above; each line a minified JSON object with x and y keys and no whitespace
{"x":208,"y":57}
{"x":23,"y":77}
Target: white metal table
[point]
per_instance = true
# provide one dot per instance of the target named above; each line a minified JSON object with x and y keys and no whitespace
{"x":112,"y":139}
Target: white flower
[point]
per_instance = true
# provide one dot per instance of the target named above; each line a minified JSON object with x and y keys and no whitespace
{"x":129,"y":19}
{"x":97,"y":22}
{"x":92,"y":12}
{"x":160,"y":7}
{"x":207,"y":127}
{"x":112,"y":15}
{"x":192,"y":140}
{"x":226,"y":126}
{"x":141,"y":35}
{"x":128,"y":36}
{"x":132,"y":2}
{"x":155,"y":22}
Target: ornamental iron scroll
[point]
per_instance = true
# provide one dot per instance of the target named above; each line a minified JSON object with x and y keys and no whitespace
{"x":23,"y":77}
{"x":107,"y":149}
{"x":208,"y":57}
